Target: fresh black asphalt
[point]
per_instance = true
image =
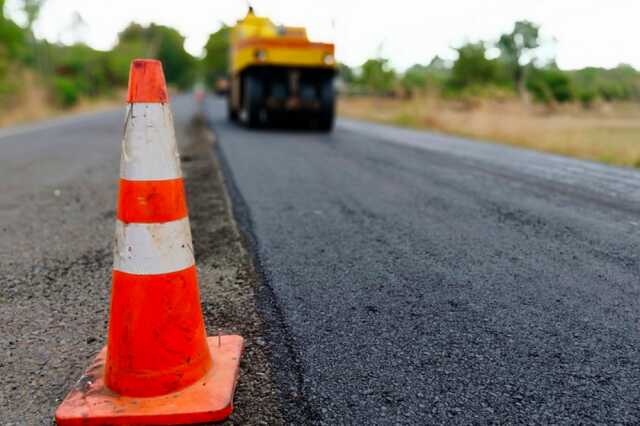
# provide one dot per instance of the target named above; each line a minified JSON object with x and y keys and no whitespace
{"x":415,"y":278}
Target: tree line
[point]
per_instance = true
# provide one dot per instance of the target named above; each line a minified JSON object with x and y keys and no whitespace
{"x":70,"y":72}
{"x":507,"y":67}
{"x":515,"y":70}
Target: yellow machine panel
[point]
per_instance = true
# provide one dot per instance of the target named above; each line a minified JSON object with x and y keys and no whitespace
{"x":258,"y":41}
{"x":277,"y":73}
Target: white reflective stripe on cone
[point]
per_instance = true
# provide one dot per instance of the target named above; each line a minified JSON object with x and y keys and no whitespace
{"x":153,"y":248}
{"x":149,"y":150}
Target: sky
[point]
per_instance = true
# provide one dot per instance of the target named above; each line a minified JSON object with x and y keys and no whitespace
{"x":578,"y":33}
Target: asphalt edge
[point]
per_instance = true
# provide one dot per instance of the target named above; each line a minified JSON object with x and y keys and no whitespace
{"x":285,"y":359}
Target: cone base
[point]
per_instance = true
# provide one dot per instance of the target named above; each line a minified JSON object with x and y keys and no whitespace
{"x":209,"y":399}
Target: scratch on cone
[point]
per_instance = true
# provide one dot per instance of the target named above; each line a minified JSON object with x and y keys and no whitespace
{"x":158,"y":367}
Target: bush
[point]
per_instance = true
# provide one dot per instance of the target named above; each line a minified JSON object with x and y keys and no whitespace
{"x":377,"y":76}
{"x":65,"y":92}
{"x":216,"y":60}
{"x":482,"y":91}
{"x":618,"y":84}
{"x":549,"y":85}
{"x":12,"y":37}
{"x":472,"y":68}
{"x":611,"y":91}
{"x":587,"y":97}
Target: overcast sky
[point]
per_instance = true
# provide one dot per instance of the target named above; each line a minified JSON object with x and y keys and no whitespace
{"x":586,"y":32}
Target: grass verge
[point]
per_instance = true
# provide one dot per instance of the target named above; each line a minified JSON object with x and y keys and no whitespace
{"x":34,"y":103}
{"x":608,"y":133}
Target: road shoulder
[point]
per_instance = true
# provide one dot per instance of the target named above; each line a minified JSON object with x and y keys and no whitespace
{"x":228,"y":282}
{"x":55,"y":263}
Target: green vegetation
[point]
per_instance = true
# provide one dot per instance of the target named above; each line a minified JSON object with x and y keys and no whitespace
{"x":12,"y":46}
{"x":507,"y":67}
{"x":377,"y":75}
{"x":550,"y":84}
{"x":503,"y":91}
{"x":473,"y":68}
{"x":515,"y":71}
{"x":159,"y":42}
{"x":517,"y":52}
{"x":70,"y":73}
{"x":609,"y":135}
{"x":216,"y":58}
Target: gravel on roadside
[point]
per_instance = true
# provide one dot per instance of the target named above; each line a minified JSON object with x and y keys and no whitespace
{"x":55,"y":264}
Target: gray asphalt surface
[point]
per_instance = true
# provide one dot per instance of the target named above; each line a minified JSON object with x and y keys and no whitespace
{"x":58,"y":182}
{"x":414,"y":278}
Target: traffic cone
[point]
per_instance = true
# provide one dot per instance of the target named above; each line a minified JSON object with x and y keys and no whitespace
{"x":158,"y":366}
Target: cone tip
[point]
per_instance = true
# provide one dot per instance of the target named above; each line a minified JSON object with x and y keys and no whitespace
{"x":146,"y":82}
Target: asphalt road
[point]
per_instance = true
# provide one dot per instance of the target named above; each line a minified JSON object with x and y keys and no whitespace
{"x":404,"y":277}
{"x":58,"y":183}
{"x":415,"y":278}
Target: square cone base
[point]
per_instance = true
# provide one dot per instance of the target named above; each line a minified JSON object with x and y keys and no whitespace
{"x":209,"y":399}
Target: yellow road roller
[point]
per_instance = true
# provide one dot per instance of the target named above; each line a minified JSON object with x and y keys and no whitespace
{"x":278,"y":76}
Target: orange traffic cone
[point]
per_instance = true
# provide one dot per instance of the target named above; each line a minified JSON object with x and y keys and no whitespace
{"x":158,"y":366}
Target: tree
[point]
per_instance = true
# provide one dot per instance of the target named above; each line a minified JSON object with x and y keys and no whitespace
{"x":414,"y":78}
{"x":12,"y":44}
{"x":550,"y":84}
{"x":32,"y":9}
{"x":377,"y":76}
{"x":160,"y":42}
{"x":419,"y":77}
{"x":472,"y":67}
{"x":346,"y":73}
{"x":620,"y":83}
{"x":12,"y":37}
{"x":216,"y":60}
{"x":516,"y":50}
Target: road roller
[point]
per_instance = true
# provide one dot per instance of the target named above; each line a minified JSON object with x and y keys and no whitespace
{"x":277,"y":75}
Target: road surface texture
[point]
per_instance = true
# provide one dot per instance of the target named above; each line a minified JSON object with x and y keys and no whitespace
{"x":416,"y":278}
{"x":58,"y":183}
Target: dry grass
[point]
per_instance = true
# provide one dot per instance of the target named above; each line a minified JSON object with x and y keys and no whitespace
{"x":606,"y":133}
{"x":33,"y":103}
